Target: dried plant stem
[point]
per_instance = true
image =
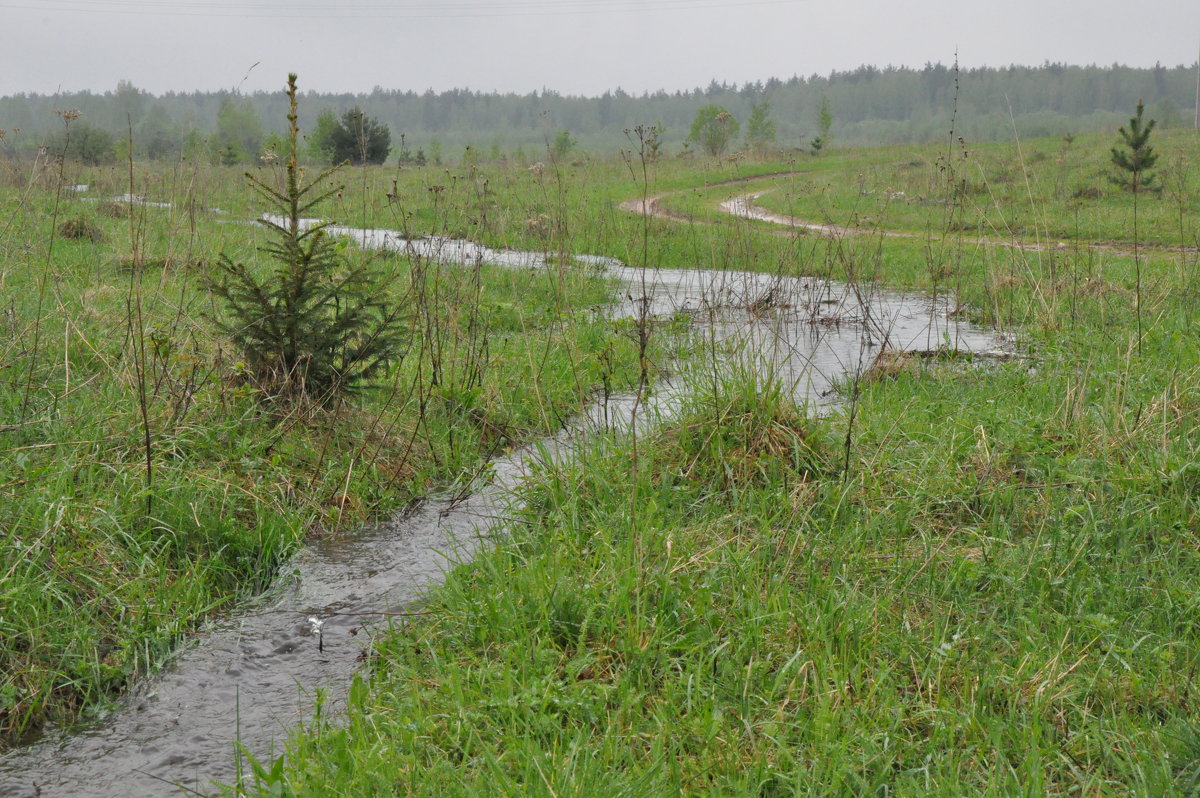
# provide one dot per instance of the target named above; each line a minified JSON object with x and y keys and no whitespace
{"x":138,"y":331}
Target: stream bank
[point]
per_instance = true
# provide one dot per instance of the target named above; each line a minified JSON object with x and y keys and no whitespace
{"x":252,"y":678}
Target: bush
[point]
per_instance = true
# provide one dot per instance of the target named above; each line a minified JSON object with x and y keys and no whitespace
{"x":113,"y":210}
{"x":713,"y":129}
{"x":84,"y":143}
{"x":356,"y":138}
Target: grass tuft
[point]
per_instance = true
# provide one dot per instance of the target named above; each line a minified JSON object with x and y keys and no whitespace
{"x":81,"y":229}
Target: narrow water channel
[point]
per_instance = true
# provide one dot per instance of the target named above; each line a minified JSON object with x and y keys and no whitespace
{"x":252,"y":678}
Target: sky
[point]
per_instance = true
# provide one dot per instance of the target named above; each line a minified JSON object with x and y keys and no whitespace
{"x":574,"y":47}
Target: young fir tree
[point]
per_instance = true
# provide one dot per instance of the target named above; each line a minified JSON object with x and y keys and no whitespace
{"x":355,"y":137}
{"x":315,"y":327}
{"x":1135,"y":159}
{"x":825,"y":122}
{"x":1137,"y":156}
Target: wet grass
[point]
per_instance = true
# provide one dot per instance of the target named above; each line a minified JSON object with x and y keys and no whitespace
{"x":989,"y":590}
{"x":145,"y":486}
{"x":982,"y":580}
{"x":115,"y":550}
{"x":998,"y":599}
{"x":1044,"y":191}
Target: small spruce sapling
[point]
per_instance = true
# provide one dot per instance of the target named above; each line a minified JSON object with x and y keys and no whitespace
{"x":316,"y":327}
{"x":825,"y":121}
{"x":1137,"y":156}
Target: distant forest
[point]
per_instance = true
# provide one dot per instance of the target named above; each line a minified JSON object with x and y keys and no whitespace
{"x":867,"y":106}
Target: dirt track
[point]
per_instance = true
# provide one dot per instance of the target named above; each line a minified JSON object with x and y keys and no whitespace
{"x":743,"y":206}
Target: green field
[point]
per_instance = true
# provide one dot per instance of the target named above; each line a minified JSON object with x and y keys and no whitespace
{"x":147,"y":485}
{"x":994,"y":594}
{"x":974,"y":579}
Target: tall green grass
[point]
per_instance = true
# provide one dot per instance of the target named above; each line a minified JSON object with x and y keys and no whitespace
{"x":993,"y":594}
{"x":1045,"y":191}
{"x":127,"y":521}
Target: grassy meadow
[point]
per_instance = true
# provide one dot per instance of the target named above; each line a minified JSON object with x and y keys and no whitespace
{"x":976,"y":578}
{"x":983,"y":580}
{"x":146,"y":483}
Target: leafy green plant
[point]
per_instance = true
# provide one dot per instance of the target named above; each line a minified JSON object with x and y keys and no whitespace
{"x":563,"y":143}
{"x":317,"y":326}
{"x":713,"y":129}
{"x":84,"y":143}
{"x":239,"y":134}
{"x":760,"y":129}
{"x":319,"y":141}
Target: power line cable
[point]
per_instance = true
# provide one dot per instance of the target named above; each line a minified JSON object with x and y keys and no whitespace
{"x":363,"y":11}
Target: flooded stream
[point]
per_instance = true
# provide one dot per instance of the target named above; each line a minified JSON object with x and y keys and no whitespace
{"x":252,"y":678}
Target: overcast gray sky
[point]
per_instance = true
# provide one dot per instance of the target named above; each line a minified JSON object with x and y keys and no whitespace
{"x":571,"y":46}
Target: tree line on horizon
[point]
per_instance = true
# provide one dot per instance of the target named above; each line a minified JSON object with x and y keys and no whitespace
{"x":865,"y":106}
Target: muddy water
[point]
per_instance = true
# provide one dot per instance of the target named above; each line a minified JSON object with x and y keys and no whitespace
{"x":252,"y":678}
